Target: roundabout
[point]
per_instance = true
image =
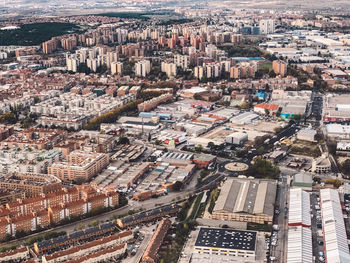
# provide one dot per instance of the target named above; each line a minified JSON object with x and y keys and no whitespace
{"x":236,"y":167}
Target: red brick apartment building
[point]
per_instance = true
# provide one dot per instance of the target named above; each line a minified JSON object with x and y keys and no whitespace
{"x":29,"y":214}
{"x":151,"y":251}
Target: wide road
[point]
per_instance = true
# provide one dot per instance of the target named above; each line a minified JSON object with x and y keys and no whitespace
{"x":279,"y":251}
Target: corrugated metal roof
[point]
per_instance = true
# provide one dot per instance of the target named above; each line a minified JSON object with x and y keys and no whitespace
{"x":299,"y":207}
{"x":247,"y":196}
{"x":336,"y":245}
{"x":299,"y":245}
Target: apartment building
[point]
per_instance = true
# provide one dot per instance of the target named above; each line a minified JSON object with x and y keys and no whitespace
{"x":153,"y":103}
{"x":142,"y":68}
{"x":28,"y":214}
{"x":50,"y":46}
{"x":242,"y":71}
{"x":34,"y":138}
{"x":169,"y":69}
{"x":80,"y":166}
{"x":117,"y":68}
{"x":31,"y":184}
{"x":151,"y":253}
{"x":280,"y":67}
{"x":5,"y":132}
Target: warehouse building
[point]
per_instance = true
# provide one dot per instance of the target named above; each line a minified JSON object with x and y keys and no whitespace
{"x":246,"y":200}
{"x":226,"y":242}
{"x":307,"y":135}
{"x":303,"y":181}
{"x":299,"y":208}
{"x":337,"y":131}
{"x":174,"y":158}
{"x":237,"y":138}
{"x":299,"y":248}
{"x":244,"y":118}
{"x":299,"y":228}
{"x":334,"y":232}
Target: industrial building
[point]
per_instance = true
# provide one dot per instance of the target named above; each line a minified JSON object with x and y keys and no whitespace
{"x":226,"y":242}
{"x":334,"y":232}
{"x":303,"y":181}
{"x":244,"y":118}
{"x":299,"y":228}
{"x":299,"y":208}
{"x":246,"y":200}
{"x":307,"y":135}
{"x":337,"y":131}
{"x":299,"y":248}
{"x":237,"y":138}
{"x":336,"y":108}
{"x":177,"y":159}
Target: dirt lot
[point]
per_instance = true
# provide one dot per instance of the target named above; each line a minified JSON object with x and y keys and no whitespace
{"x":305,"y":148}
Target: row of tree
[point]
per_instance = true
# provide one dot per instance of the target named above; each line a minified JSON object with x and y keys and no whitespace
{"x":112,"y":116}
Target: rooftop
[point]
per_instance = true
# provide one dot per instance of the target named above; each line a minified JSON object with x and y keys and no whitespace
{"x":226,"y":239}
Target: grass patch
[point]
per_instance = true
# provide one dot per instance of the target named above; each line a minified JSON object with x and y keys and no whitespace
{"x":7,"y":248}
{"x":265,"y":65}
{"x":196,"y":205}
{"x":242,"y":50}
{"x":213,"y":197}
{"x":259,"y":227}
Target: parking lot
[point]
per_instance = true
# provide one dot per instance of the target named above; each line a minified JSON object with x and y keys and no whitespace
{"x":316,"y":225}
{"x":136,"y":250}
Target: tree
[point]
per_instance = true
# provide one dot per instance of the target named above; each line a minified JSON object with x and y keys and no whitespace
{"x":345,"y":166}
{"x":263,"y":169}
{"x":204,"y":173}
{"x":177,"y":186}
{"x":94,"y":223}
{"x":123,"y":140}
{"x":317,"y":179}
{"x":198,"y":148}
{"x":335,"y":182}
{"x":297,"y":117}
{"x":6,"y":238}
{"x":211,"y":145}
{"x":20,"y":233}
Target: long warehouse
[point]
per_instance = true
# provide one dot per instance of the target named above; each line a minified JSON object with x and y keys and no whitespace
{"x":299,"y":208}
{"x":335,"y":239}
{"x":299,"y":232}
{"x":299,"y":245}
